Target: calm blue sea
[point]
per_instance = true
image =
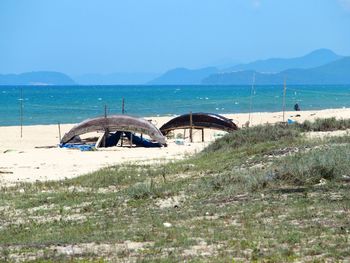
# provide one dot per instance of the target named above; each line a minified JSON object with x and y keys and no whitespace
{"x":71,"y":104}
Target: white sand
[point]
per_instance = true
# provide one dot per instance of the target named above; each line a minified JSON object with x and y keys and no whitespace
{"x":20,"y":161}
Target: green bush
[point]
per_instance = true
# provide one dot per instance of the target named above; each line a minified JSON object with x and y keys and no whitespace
{"x":255,"y":135}
{"x":328,"y":124}
{"x":310,"y":167}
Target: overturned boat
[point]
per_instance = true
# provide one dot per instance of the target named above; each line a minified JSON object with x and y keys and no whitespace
{"x":199,"y":121}
{"x":115,"y":128}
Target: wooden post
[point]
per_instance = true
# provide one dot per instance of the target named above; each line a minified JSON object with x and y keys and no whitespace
{"x":184,"y":134}
{"x":191,"y":124}
{"x":131,"y":140}
{"x":284,"y":100}
{"x":59,"y":132}
{"x":202,"y":135}
{"x":106,"y":130}
{"x":123,"y":106}
{"x":251,"y":100}
{"x":21,"y":111}
{"x":121,"y":139}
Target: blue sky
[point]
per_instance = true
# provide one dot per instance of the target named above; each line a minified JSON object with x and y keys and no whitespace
{"x":104,"y":36}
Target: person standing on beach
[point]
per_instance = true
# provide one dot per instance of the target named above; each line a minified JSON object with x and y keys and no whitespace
{"x":296,"y":107}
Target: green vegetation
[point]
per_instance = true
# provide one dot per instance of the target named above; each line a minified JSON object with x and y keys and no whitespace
{"x":267,"y":193}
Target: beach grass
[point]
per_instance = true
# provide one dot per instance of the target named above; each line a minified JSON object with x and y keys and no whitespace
{"x":267,"y":193}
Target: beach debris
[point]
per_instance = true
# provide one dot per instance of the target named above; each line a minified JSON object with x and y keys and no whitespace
{"x":346,"y":178}
{"x":166,"y":224}
{"x":180,"y":141}
{"x":6,"y":172}
{"x":45,"y":147}
{"x":322,"y":182}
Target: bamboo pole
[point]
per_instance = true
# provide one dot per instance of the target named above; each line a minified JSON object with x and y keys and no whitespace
{"x":105,"y":130}
{"x":21,"y":111}
{"x":284,"y":99}
{"x":251,"y":100}
{"x":59,"y":132}
{"x":191,"y":124}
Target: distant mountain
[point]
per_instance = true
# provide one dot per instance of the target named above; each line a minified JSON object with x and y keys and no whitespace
{"x":183,"y":76}
{"x":314,"y":59}
{"x":115,"y":78}
{"x":36,"y":78}
{"x":337,"y":72}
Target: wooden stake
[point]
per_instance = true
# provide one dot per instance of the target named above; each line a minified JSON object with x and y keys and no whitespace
{"x":131,"y":140}
{"x":202,"y":135}
{"x":21,"y":111}
{"x":251,"y":100}
{"x":59,"y":132}
{"x":191,"y":124}
{"x":123,"y":106}
{"x":284,"y":99}
{"x":106,"y":130}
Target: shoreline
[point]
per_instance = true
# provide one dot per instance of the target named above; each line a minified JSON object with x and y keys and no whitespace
{"x":227,"y":115}
{"x":22,"y":161}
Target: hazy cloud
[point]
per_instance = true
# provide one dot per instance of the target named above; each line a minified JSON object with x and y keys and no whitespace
{"x":257,"y":3}
{"x":345,"y":4}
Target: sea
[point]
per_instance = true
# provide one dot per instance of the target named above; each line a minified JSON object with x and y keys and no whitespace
{"x":72,"y":104}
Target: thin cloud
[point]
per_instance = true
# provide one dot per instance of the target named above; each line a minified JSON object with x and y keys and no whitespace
{"x":345,"y":4}
{"x":256,"y":3}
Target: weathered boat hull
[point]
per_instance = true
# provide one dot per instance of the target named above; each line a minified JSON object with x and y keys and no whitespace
{"x":122,"y":123}
{"x":199,"y":121}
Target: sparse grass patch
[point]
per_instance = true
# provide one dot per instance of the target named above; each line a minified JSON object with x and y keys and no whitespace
{"x":329,"y":163}
{"x":253,"y":195}
{"x":328,"y":124}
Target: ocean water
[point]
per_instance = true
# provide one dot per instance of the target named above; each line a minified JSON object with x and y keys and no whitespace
{"x":72,"y":104}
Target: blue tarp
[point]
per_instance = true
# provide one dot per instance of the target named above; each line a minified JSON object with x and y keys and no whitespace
{"x":81,"y":147}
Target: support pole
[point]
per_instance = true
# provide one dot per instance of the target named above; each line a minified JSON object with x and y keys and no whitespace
{"x":251,"y":100}
{"x":123,"y":106}
{"x":191,"y":124}
{"x":131,"y":139}
{"x":59,"y":132}
{"x":284,"y":99}
{"x":106,"y":129}
{"x":202,"y":135}
{"x":21,"y":111}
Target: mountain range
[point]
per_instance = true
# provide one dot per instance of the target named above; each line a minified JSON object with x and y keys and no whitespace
{"x":115,"y":78}
{"x":314,"y":59}
{"x":321,"y":66}
{"x":183,"y":76}
{"x":36,"y":78}
{"x":337,"y":73}
{"x":269,"y":71}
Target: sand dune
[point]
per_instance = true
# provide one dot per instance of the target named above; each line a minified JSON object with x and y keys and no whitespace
{"x":22,"y":161}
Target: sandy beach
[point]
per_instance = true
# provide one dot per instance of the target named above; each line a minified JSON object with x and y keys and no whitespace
{"x":36,"y":157}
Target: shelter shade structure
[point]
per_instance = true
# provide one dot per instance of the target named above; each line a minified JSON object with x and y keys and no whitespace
{"x":120,"y":124}
{"x":199,"y":121}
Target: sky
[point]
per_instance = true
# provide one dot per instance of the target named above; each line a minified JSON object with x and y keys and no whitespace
{"x":106,"y":36}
